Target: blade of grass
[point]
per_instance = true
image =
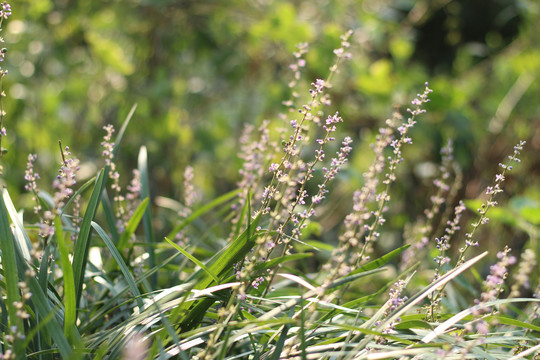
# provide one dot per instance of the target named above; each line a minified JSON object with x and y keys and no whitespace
{"x":123,"y":267}
{"x":281,"y":342}
{"x":37,"y":329}
{"x":287,"y":305}
{"x":79,"y":191}
{"x":122,"y":130}
{"x":112,"y":301}
{"x":70,"y":306}
{"x":219,"y":264}
{"x":132,"y":225}
{"x":80,"y":255}
{"x":23,"y":240}
{"x":461,"y":315}
{"x":194,"y":259}
{"x":109,"y":216}
{"x":383,"y":260}
{"x":429,"y":289}
{"x":43,"y":308}
{"x":12,"y":256}
{"x":11,"y":272}
{"x":200,"y":211}
{"x":274,"y":262}
{"x":147,"y":217}
{"x":224,"y":260}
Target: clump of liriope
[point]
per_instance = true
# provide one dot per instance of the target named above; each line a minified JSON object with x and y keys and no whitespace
{"x":285,"y":199}
{"x":443,"y":243}
{"x":370,"y":202}
{"x":285,"y":202}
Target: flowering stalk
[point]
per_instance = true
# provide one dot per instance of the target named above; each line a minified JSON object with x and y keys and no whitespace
{"x":343,"y":259}
{"x":118,"y":198}
{"x":492,"y":191}
{"x":30,"y":175}
{"x":286,"y":190}
{"x":493,"y":287}
{"x":281,"y":171}
{"x":443,"y":245}
{"x":64,"y":189}
{"x":383,"y":198}
{"x":443,"y":242}
{"x":527,"y":265}
{"x":282,"y":189}
{"x":5,"y":12}
{"x":396,"y":300}
{"x":254,"y":153}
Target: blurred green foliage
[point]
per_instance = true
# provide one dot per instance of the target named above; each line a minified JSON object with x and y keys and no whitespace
{"x":199,"y":70}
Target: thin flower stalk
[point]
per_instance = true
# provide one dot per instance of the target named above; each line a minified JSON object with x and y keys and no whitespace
{"x":383,"y":198}
{"x":30,"y":175}
{"x":118,"y":198}
{"x":5,"y":13}
{"x":527,"y":265}
{"x":492,"y":191}
{"x":479,"y":325}
{"x":283,"y":186}
{"x":443,"y":244}
{"x":291,"y":148}
{"x":255,"y":154}
{"x":282,"y":190}
{"x":63,"y":184}
{"x":350,"y":251}
{"x":492,"y":288}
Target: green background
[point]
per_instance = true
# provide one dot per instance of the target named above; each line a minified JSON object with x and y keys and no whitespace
{"x":200,"y":70}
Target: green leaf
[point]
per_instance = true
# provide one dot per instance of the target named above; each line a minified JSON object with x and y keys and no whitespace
{"x":79,"y":191}
{"x":194,"y":259}
{"x":413,"y":324}
{"x":280,"y":260}
{"x":197,"y":213}
{"x":21,"y":237}
{"x":220,"y":264}
{"x":383,"y":260}
{"x":12,"y":259}
{"x":349,"y":278}
{"x":281,"y":342}
{"x":43,"y":308}
{"x":147,"y":217}
{"x":510,"y":321}
{"x":11,"y":270}
{"x":123,"y":267}
{"x":80,"y":255}
{"x":122,"y":131}
{"x":235,"y":251}
{"x":70,"y":303}
{"x":132,"y":225}
{"x":109,"y":215}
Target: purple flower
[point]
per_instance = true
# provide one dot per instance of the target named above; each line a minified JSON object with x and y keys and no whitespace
{"x":273,"y":167}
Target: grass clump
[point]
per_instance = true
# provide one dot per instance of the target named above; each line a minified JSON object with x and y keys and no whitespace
{"x":105,"y":271}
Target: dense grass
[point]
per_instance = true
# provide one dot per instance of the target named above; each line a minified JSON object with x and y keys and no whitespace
{"x":94,"y":273}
